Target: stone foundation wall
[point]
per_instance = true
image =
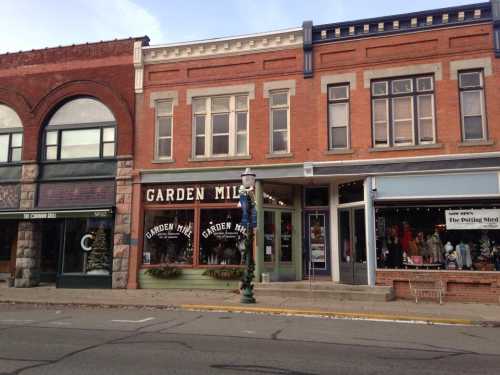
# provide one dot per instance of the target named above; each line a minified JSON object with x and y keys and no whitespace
{"x":28,"y":255}
{"x":121,"y":249}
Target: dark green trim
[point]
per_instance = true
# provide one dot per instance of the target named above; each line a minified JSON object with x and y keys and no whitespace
{"x":55,"y":214}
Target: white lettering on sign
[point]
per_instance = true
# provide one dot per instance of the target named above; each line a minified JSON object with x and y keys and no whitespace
{"x":226,"y":226}
{"x":40,"y":215}
{"x":472,"y":219}
{"x":182,"y":194}
{"x":169,"y":227}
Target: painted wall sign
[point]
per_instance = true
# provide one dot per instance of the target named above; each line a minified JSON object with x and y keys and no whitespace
{"x":473,"y":219}
{"x":191,"y":193}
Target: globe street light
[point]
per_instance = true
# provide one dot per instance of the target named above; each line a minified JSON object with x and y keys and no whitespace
{"x":247,"y":203}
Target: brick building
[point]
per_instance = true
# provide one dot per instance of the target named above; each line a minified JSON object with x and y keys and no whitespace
{"x":66,"y":145}
{"x":375,"y":143}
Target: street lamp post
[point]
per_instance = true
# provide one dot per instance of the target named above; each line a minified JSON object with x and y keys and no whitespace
{"x":247,"y":202}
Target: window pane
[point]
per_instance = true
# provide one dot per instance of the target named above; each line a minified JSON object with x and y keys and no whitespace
{"x":16,"y":154}
{"x":269,"y":236}
{"x":379,"y":88}
{"x":168,"y":237}
{"x":165,"y":126}
{"x":279,"y":98}
{"x":80,"y":143}
{"x":199,"y":105}
{"x":241,"y":103}
{"x":82,"y":111}
{"x":286,"y":236}
{"x":338,"y":92}
{"x":339,"y":114}
{"x":280,"y":119}
{"x":241,"y":118}
{"x":221,"y":236}
{"x":424,"y":84}
{"x":220,"y":124}
{"x":220,"y":104}
{"x":425,"y":106}
{"x":200,"y":125}
{"x":470,"y":79}
{"x":9,"y":118}
{"x":403,"y":132}
{"x":4,"y":148}
{"x":108,"y":149}
{"x":380,"y":110}
{"x":165,"y":147}
{"x":473,"y":127}
{"x":51,"y":138}
{"x":426,"y":130}
{"x":402,"y":108}
{"x":200,"y":146}
{"x":241,"y":144}
{"x":16,"y":140}
{"x":381,"y":133}
{"x":402,"y":86}
{"x":108,"y":134}
{"x":220,"y":144}
{"x":339,"y":137}
{"x":51,"y":153}
{"x":164,"y":108}
{"x":280,"y":141}
{"x":471,"y":103}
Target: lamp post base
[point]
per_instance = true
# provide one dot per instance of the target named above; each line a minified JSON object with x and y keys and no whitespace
{"x":247,"y":296}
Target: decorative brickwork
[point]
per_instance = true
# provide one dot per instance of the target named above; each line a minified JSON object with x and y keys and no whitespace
{"x":9,"y":196}
{"x":76,"y":194}
{"x":29,"y":175}
{"x":121,"y":250}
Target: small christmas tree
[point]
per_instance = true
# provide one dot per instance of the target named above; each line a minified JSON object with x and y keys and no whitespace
{"x":98,"y":261}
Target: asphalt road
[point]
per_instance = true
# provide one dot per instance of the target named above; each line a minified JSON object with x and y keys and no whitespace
{"x":36,"y":340}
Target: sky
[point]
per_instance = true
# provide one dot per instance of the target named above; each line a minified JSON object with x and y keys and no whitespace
{"x":32,"y":24}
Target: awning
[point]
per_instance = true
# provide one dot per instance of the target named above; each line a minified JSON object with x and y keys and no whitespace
{"x":56,"y":214}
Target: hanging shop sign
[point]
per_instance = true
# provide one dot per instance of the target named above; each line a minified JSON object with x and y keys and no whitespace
{"x":473,"y":219}
{"x":191,"y":193}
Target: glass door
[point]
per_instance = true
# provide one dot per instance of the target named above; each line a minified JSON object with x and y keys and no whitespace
{"x":317,"y":259}
{"x":352,"y":246}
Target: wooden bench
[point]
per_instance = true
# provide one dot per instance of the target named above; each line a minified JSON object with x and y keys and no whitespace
{"x":423,"y":285}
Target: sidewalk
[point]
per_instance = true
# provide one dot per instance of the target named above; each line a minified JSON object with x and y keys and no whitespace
{"x":400,"y":310}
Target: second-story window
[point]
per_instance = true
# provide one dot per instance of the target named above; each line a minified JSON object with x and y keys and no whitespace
{"x":338,"y":117}
{"x":11,"y":135}
{"x":403,"y":111}
{"x":220,"y":126}
{"x":280,"y":121}
{"x":163,"y":129}
{"x":472,"y":106}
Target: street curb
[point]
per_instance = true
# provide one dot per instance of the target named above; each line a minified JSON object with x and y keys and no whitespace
{"x":338,"y":314}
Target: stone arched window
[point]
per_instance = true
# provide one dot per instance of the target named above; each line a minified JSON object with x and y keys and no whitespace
{"x":82,"y":128}
{"x":11,"y":135}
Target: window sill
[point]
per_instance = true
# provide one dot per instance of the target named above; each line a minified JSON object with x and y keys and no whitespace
{"x":215,"y":158}
{"x":162,"y":161}
{"x":488,"y":142}
{"x":403,"y":148}
{"x":278,"y":156}
{"x":343,"y":151}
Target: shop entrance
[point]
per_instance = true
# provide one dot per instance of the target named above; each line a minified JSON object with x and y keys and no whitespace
{"x":8,"y":246}
{"x":317,"y":250}
{"x":352,"y":246}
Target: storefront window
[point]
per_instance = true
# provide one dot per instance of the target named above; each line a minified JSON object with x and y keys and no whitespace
{"x":286,"y":236}
{"x":439,"y":237}
{"x":351,"y":192}
{"x":316,"y":197}
{"x":221,"y":236}
{"x":269,"y":236}
{"x":168,"y":236}
{"x":278,"y":195}
{"x":87,"y":246}
{"x":8,"y":234}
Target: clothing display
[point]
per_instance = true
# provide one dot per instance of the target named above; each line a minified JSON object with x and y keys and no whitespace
{"x":464,"y":258}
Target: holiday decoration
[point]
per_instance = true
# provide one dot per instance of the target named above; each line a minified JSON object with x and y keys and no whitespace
{"x":99,"y":259}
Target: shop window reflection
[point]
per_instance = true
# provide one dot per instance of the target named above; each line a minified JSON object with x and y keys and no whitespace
{"x":168,"y":237}
{"x":269,"y":236}
{"x":286,"y":236}
{"x":221,"y":237}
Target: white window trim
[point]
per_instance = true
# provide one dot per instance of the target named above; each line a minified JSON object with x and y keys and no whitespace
{"x":387,"y":122}
{"x":483,"y":119}
{"x":232,"y":135}
{"x":271,"y":127}
{"x":423,"y":93}
{"x":412,"y":118}
{"x":346,"y":101}
{"x":157,"y":130}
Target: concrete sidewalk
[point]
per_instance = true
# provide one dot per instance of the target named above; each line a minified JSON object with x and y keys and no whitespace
{"x":400,"y":310}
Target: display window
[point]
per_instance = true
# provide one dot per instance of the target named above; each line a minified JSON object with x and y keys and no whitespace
{"x":8,"y":235}
{"x":168,"y":236}
{"x":277,"y":195}
{"x":446,"y":237}
{"x":286,"y":237}
{"x":269,"y":236}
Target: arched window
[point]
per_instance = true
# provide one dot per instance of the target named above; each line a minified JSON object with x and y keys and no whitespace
{"x":80,"y":129}
{"x":11,"y":135}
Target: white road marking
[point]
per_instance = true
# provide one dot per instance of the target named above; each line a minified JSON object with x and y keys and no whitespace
{"x":16,"y":321}
{"x":133,"y":321}
{"x":61,"y":323}
{"x":249,"y":332}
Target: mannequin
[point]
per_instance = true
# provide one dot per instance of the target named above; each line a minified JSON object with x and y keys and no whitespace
{"x":406,"y":239}
{"x":435,"y":247}
{"x":422,"y":247}
{"x":485,"y":247}
{"x":464,"y":258}
{"x":450,"y":256}
{"x":395,"y":256}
